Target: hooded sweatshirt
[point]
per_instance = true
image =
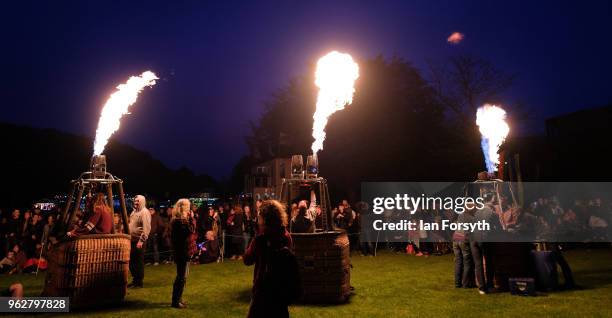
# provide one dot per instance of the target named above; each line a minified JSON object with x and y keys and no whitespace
{"x":140,"y":221}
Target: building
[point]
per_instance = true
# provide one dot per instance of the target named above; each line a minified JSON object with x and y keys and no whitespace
{"x":574,"y":149}
{"x":265,"y":180}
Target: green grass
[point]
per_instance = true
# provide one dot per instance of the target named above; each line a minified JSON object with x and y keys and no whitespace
{"x":388,"y":285}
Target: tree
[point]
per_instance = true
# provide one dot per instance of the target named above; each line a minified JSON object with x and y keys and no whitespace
{"x":395,"y":130}
{"x":465,"y":83}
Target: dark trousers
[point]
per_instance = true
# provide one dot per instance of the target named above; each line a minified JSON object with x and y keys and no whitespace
{"x":237,"y":244}
{"x":481,"y":254}
{"x":153,"y":247}
{"x":182,"y":270}
{"x":366,"y":248}
{"x":464,"y":265}
{"x":565,"y":268}
{"x":137,"y":263}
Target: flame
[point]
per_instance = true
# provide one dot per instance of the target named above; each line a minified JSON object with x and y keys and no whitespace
{"x":117,"y":105}
{"x":491,"y":121}
{"x":335,"y":76}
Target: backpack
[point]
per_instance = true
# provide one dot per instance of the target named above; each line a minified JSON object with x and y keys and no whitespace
{"x":282,"y":276}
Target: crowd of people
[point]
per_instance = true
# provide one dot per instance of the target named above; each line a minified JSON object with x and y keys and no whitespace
{"x":580,"y":220}
{"x":544,"y":220}
{"x":182,"y":234}
{"x":222,"y":230}
{"x":185,"y":234}
{"x":23,"y":236}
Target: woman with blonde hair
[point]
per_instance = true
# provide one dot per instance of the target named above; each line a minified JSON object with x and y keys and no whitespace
{"x":182,"y":229}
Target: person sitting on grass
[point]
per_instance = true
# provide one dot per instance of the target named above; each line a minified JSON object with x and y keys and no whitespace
{"x":15,"y":290}
{"x":209,"y":249}
{"x":7,"y":263}
{"x":99,"y":221}
{"x":275,"y":278}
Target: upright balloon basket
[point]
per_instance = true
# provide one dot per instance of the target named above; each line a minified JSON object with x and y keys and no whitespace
{"x":323,"y":256}
{"x":92,"y":270}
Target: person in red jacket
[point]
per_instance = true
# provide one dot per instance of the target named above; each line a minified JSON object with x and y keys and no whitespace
{"x":100,"y":220}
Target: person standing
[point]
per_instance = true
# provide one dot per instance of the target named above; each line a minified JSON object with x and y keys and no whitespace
{"x":480,"y":246}
{"x":209,"y":221}
{"x":140,"y":227}
{"x":250,"y":225}
{"x":271,"y":244}
{"x":48,"y":228}
{"x":235,"y":230}
{"x":165,"y":236}
{"x":182,"y":230}
{"x":154,"y":236}
{"x":464,"y":264}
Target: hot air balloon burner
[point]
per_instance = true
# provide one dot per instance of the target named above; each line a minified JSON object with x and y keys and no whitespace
{"x":297,"y":167}
{"x":312,"y":167}
{"x":97,"y":179}
{"x":98,"y":166}
{"x":486,"y":176}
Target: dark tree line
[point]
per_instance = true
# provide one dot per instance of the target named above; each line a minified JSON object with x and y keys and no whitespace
{"x":401,"y":126}
{"x":39,"y":163}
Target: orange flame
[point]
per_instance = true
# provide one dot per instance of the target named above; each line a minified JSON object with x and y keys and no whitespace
{"x":335,"y":76}
{"x":118,"y":105}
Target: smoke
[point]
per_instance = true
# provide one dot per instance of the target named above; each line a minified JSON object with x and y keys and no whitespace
{"x":491,"y":121}
{"x":118,"y":105}
{"x":455,"y":38}
{"x":335,"y":76}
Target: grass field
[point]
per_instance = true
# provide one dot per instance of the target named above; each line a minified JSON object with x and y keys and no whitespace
{"x":389,"y":285}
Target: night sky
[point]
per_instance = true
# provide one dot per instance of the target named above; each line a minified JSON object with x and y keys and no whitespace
{"x":220,"y":62}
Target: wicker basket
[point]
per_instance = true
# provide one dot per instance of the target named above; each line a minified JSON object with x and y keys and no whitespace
{"x":324,"y":261}
{"x":92,"y":270}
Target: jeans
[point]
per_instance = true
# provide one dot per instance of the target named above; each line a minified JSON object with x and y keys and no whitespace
{"x":137,"y":263}
{"x":482,"y":251}
{"x":464,"y":265}
{"x":246,"y":236}
{"x":153,"y":247}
